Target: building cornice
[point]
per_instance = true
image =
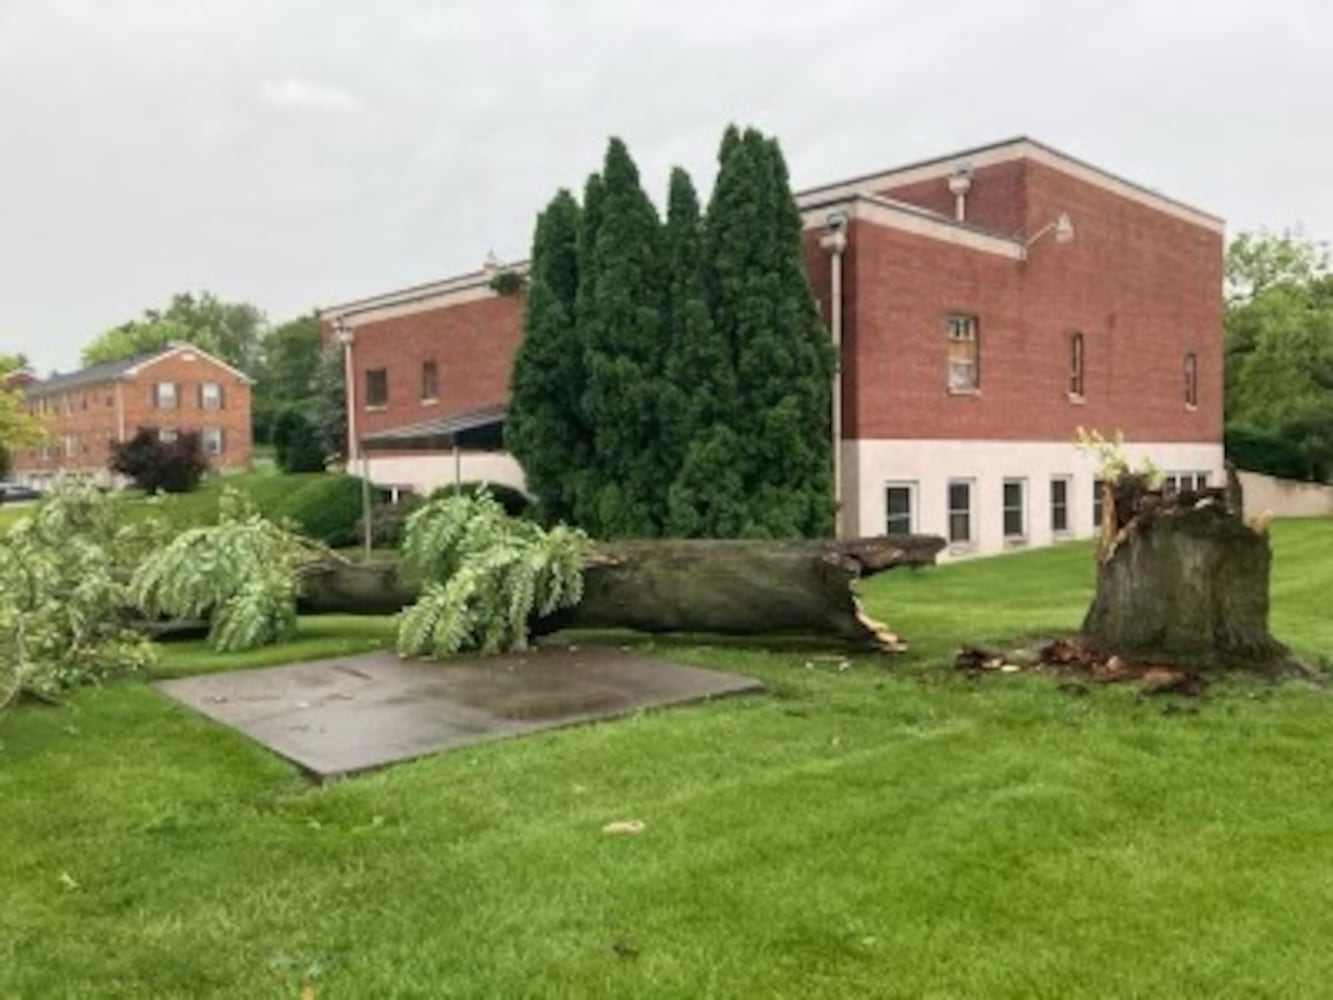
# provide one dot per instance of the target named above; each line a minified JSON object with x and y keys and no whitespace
{"x":940,"y":167}
{"x":471,"y":287}
{"x":912,"y":219}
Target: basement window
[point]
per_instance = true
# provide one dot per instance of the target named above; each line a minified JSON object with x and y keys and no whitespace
{"x":960,"y":511}
{"x":1015,"y":510}
{"x":964,"y":353}
{"x":898,"y":508}
{"x":1060,"y":505}
{"x":377,"y":387}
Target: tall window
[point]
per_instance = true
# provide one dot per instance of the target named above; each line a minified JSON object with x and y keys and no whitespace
{"x":211,"y":438}
{"x":960,"y":511}
{"x":1060,"y":505}
{"x":164,"y":396}
{"x":210,"y":396}
{"x":898,"y":508}
{"x":430,"y":382}
{"x":1191,"y":379}
{"x":964,"y":353}
{"x":1098,"y":486}
{"x":1015,"y":509}
{"x":1076,"y":365}
{"x":377,"y":387}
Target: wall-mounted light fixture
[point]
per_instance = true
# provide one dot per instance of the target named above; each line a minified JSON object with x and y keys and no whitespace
{"x":960,"y":183}
{"x":1062,"y":226}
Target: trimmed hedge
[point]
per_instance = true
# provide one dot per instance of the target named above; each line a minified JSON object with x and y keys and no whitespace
{"x":1259,"y":451}
{"x":328,"y":508}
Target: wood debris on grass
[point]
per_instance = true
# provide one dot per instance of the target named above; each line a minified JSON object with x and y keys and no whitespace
{"x":1070,"y":657}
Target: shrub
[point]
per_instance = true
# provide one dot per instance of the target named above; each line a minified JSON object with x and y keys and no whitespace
{"x":1260,"y":451}
{"x":158,"y":466}
{"x":514,"y":502}
{"x":296,"y":443}
{"x":388,"y":521}
{"x":327,"y":508}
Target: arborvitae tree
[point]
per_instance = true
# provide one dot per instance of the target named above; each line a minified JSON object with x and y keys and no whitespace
{"x":544,"y":427}
{"x":697,"y":403}
{"x":764,"y":309}
{"x":623,"y":335}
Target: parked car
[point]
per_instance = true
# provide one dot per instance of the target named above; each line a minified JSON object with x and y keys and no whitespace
{"x":10,"y":492}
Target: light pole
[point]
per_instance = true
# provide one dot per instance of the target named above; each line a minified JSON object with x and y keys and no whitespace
{"x":834,"y":240}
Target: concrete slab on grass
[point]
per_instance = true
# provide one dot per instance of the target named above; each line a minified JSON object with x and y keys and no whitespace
{"x":339,"y":716}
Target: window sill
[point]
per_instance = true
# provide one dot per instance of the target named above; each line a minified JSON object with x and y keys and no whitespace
{"x":964,"y":392}
{"x":962,"y":548}
{"x":1015,"y":541}
{"x":1077,"y":399}
{"x":432,"y":401}
{"x":377,"y":408}
{"x":1191,"y":407}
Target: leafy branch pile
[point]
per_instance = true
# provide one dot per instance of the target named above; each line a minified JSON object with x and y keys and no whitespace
{"x":486,"y":574}
{"x":64,"y":595}
{"x":241,"y":574}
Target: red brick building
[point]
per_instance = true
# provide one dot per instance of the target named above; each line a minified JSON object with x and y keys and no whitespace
{"x":178,"y":388}
{"x":988,"y":304}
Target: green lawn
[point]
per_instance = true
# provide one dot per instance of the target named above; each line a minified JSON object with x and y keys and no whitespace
{"x":884,"y":828}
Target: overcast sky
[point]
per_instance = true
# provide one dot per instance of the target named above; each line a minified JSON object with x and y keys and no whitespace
{"x":295,"y":153}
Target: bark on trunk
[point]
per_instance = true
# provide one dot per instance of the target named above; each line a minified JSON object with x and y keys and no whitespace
{"x":727,"y":587}
{"x":1186,"y":586}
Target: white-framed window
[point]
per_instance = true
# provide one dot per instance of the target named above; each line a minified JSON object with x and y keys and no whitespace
{"x":964,"y":353}
{"x":211,"y":437}
{"x":1185,"y":482}
{"x":210,"y":395}
{"x":960,"y":511}
{"x":899,"y":508}
{"x":377,"y":387}
{"x":70,"y":445}
{"x":1015,"y":509}
{"x":167,"y":435}
{"x":1076,"y":365}
{"x":430,"y":381}
{"x":164,"y":396}
{"x":1060,"y":505}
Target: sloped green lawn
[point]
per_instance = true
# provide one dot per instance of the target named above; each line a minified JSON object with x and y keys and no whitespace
{"x":876,"y":828}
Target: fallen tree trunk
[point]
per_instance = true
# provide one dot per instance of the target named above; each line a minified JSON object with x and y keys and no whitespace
{"x":726,"y":587}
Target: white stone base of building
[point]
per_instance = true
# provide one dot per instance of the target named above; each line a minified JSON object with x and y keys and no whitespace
{"x":422,"y":473}
{"x":922,"y":471}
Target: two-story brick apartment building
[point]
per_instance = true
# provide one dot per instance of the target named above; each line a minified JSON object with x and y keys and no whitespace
{"x":986,"y":305}
{"x":174,"y":389}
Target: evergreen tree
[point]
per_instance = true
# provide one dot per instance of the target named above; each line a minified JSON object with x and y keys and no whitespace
{"x":622,"y":332}
{"x":544,"y":426}
{"x":697,"y":401}
{"x":765,"y":313}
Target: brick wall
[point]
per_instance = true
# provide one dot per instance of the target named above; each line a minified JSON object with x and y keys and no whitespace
{"x":472,"y":343}
{"x":1142,"y":286}
{"x":92,"y":415}
{"x":233,"y":418}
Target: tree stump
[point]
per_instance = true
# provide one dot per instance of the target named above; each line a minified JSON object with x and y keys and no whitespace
{"x":1185,"y":582}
